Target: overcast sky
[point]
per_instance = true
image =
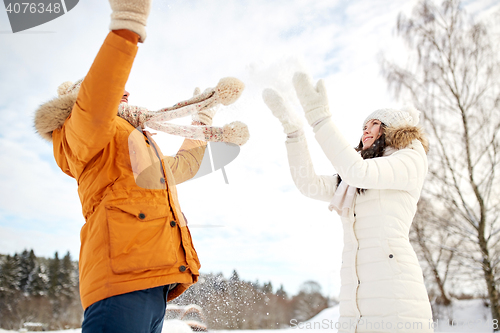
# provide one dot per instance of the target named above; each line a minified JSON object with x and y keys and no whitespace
{"x":259,"y":223}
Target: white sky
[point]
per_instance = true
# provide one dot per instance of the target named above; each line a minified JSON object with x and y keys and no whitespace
{"x":267,"y":229}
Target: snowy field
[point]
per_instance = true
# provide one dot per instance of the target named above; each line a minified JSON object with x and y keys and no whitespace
{"x":469,"y":316}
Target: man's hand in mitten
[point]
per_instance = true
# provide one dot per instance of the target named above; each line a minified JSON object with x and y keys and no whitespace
{"x":282,"y":110}
{"x":314,"y":100}
{"x":205,"y":116}
{"x":131,"y":15}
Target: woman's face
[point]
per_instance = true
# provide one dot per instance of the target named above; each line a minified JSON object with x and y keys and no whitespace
{"x":371,"y":132}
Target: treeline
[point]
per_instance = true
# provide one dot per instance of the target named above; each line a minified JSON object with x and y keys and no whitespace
{"x":236,"y":304}
{"x":39,"y":290}
{"x":45,"y":291}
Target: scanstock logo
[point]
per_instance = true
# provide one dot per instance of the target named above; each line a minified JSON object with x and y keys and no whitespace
{"x":26,"y":14}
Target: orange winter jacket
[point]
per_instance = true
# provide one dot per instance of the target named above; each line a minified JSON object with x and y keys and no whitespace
{"x":135,"y":236}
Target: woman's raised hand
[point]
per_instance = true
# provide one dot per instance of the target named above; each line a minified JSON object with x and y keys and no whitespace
{"x":314,"y":100}
{"x":282,"y":110}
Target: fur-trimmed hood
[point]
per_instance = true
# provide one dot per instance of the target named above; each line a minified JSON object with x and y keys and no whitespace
{"x":402,"y":136}
{"x":52,"y":114}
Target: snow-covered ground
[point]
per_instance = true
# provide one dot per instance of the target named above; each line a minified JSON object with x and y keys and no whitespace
{"x":467,"y":315}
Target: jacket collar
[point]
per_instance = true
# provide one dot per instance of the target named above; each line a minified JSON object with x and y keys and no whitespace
{"x":52,"y":114}
{"x":403,"y":136}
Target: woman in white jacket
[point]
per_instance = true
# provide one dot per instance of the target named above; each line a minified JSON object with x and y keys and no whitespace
{"x":375,"y":192}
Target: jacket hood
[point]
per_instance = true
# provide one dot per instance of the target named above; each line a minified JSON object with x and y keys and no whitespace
{"x":402,"y":136}
{"x":52,"y":114}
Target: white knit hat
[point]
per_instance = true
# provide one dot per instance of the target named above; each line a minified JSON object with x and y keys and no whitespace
{"x":408,"y":116}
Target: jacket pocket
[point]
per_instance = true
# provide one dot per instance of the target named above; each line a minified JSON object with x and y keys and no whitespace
{"x":140,"y":237}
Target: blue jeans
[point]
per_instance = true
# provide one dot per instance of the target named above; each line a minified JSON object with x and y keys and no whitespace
{"x":140,"y":311}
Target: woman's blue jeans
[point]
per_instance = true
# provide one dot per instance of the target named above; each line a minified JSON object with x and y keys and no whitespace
{"x":140,"y":311}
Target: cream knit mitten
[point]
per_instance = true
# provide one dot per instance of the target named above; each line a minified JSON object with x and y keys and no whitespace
{"x":206,"y":115}
{"x":314,"y":100}
{"x":131,"y":15}
{"x":282,"y":110}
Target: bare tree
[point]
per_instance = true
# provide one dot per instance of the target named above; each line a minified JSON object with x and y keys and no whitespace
{"x":428,"y":234}
{"x":446,"y":273}
{"x":453,"y":76}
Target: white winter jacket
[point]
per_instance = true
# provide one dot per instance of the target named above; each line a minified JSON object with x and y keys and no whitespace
{"x":382,"y":287}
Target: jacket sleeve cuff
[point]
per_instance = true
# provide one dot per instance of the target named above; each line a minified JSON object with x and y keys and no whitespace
{"x":128,"y":35}
{"x":139,"y":29}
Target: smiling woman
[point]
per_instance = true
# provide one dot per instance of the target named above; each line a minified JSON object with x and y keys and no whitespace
{"x":375,"y":192}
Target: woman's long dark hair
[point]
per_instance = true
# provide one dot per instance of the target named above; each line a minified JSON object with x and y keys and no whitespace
{"x":376,"y":150}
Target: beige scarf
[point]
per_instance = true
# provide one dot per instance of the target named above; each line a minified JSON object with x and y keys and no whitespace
{"x":343,"y":199}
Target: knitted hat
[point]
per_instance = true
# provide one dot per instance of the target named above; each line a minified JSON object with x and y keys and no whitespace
{"x":408,"y":115}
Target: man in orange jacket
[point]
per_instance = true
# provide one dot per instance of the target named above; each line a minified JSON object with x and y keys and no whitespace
{"x":136,"y":250}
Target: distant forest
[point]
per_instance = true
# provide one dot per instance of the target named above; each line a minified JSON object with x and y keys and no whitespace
{"x":45,"y":291}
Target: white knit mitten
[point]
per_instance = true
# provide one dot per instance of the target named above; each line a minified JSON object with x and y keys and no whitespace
{"x":131,"y":15}
{"x":282,"y":110}
{"x":314,"y":100}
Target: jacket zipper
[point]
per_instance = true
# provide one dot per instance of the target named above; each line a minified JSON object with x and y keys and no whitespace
{"x":356,"y":273}
{"x":150,"y":142}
